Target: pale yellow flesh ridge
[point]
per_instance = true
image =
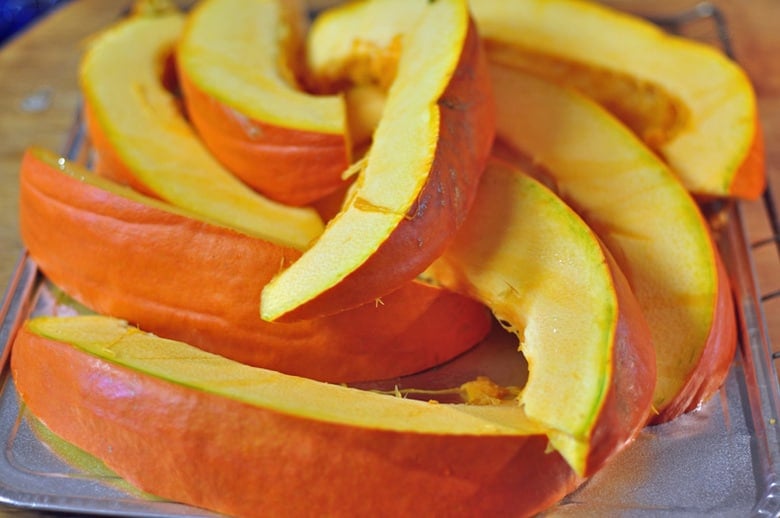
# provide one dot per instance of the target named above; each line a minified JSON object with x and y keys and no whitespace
{"x":633,"y":202}
{"x":396,"y":168}
{"x":117,"y":342}
{"x":712,"y":99}
{"x":120,"y":76}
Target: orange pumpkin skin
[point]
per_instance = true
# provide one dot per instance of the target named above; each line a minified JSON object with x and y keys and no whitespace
{"x":750,"y":178}
{"x":467,"y":129}
{"x":192,"y":281}
{"x":243,"y":460}
{"x":626,"y":409}
{"x":716,"y":357}
{"x":289,"y":165}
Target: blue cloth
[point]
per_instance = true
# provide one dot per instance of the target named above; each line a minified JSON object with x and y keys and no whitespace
{"x":15,"y":15}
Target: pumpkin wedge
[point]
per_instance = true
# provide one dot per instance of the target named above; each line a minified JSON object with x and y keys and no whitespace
{"x":248,"y":106}
{"x":646,"y":218}
{"x":141,"y":137}
{"x":180,"y":276}
{"x":108,"y":387}
{"x":419,"y":177}
{"x":690,"y":103}
{"x":546,"y":277}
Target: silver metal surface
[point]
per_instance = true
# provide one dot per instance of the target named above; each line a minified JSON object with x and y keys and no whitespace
{"x":720,"y":461}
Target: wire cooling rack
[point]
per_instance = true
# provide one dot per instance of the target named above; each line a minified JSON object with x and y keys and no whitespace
{"x":723,"y":460}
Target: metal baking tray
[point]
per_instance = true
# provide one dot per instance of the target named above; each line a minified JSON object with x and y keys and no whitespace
{"x":721,"y":460}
